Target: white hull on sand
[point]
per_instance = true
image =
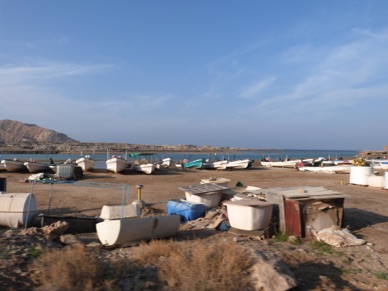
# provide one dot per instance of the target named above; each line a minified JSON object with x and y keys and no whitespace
{"x":378,"y":164}
{"x":238,"y":164}
{"x":164,"y":163}
{"x":218,"y":165}
{"x":85,"y":163}
{"x":34,"y":167}
{"x":344,"y":169}
{"x":281,"y":164}
{"x":116,"y":164}
{"x":13,"y":165}
{"x":145,"y":168}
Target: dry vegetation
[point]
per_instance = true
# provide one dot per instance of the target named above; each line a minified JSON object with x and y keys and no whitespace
{"x":158,"y":264}
{"x":161,"y":265}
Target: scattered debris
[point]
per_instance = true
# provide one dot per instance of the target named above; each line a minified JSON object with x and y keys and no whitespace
{"x":338,"y":237}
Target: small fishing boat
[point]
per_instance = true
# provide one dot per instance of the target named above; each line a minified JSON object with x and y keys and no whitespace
{"x":143,"y":162}
{"x":117,"y":164}
{"x":192,"y":164}
{"x":238,"y":164}
{"x":218,"y":165}
{"x":147,"y":168}
{"x":164,"y":163}
{"x":340,"y":169}
{"x":280,"y":164}
{"x":36,"y":167}
{"x":14,"y":165}
{"x":86,"y":163}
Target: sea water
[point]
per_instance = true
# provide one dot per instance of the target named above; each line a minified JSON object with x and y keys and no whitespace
{"x":272,"y":154}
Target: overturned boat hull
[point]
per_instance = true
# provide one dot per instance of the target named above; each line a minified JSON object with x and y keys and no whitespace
{"x":128,"y":230}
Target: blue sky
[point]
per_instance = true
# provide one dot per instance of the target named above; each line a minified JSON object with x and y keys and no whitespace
{"x":252,"y":74}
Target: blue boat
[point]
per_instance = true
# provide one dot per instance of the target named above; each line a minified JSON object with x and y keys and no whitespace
{"x":193,"y":164}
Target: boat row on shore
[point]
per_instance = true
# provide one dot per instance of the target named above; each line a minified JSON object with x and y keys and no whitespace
{"x":322,"y":165}
{"x":218,"y":165}
{"x":118,"y":164}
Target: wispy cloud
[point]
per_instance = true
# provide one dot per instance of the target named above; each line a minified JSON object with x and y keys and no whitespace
{"x":253,"y":90}
{"x":348,"y":74}
{"x":30,"y":94}
{"x":47,"y":70}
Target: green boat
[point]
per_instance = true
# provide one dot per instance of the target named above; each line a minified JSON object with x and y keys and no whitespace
{"x":193,"y":164}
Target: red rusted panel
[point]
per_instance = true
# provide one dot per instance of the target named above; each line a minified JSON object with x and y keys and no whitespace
{"x":293,"y":211}
{"x":304,"y":216}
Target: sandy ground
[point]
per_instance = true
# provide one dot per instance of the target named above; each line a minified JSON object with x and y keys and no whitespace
{"x":366,"y":213}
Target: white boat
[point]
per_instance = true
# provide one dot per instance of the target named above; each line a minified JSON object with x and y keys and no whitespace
{"x":328,"y":163}
{"x":164,"y":163}
{"x":218,"y":165}
{"x":378,"y":164}
{"x":238,"y":164}
{"x":280,"y":164}
{"x":36,"y":167}
{"x":86,"y":163}
{"x":340,"y":169}
{"x":116,"y":164}
{"x":13,"y":165}
{"x":148,"y":168}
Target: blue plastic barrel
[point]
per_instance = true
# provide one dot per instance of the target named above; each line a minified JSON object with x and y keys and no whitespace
{"x":186,"y":210}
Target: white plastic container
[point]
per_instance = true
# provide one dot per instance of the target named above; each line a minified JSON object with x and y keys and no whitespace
{"x":359,"y":175}
{"x":17,"y":209}
{"x":128,"y":230}
{"x":209,"y":199}
{"x":376,"y":181}
{"x":386,"y":180}
{"x":249,"y":214}
{"x":120,"y":211}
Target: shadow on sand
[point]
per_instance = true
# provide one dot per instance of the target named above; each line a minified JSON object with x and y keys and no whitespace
{"x":357,"y":218}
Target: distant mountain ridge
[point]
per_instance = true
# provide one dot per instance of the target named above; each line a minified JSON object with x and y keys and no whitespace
{"x":12,"y":131}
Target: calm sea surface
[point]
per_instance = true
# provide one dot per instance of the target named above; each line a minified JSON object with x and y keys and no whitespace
{"x":253,"y":155}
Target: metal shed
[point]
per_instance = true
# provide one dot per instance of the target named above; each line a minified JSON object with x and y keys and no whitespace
{"x":302,"y":210}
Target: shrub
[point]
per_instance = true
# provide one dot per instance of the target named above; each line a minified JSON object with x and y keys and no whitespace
{"x":198,"y":265}
{"x":67,"y":269}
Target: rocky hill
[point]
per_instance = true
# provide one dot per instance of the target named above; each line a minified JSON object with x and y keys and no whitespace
{"x":12,"y":131}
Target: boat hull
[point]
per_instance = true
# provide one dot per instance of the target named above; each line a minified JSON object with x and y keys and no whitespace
{"x":145,"y":168}
{"x":86,"y":164}
{"x":128,"y":230}
{"x":281,"y":164}
{"x":13,"y":166}
{"x":34,"y":167}
{"x":345,"y":169}
{"x":116,"y":165}
{"x":239,"y":164}
{"x":193,"y":164}
{"x":218,"y":165}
